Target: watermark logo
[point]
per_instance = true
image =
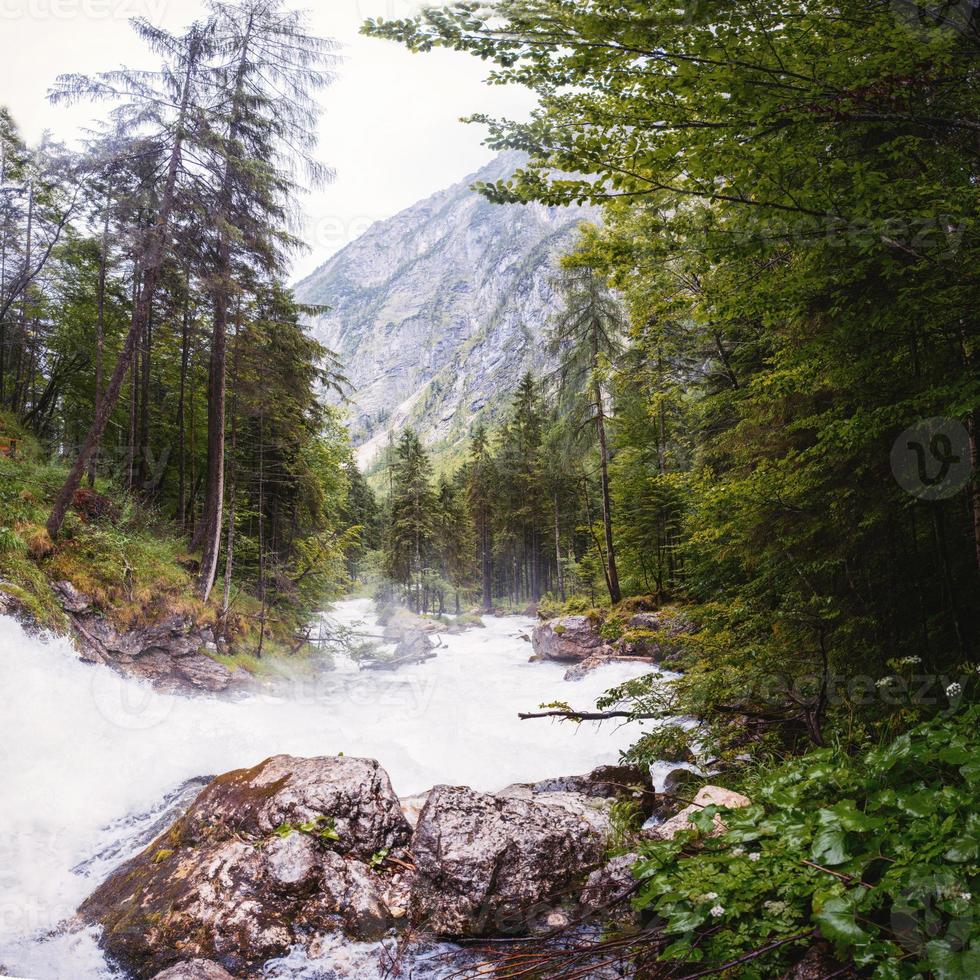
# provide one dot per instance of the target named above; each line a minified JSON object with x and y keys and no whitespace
{"x":931,"y":459}
{"x":127,"y":704}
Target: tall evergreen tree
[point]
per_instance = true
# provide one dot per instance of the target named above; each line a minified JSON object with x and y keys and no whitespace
{"x":587,"y":340}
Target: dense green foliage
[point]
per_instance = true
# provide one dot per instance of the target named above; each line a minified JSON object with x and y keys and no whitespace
{"x":879,"y":852}
{"x":519,"y":522}
{"x":790,"y":204}
{"x":140,"y":278}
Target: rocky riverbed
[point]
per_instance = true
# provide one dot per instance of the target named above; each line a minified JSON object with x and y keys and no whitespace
{"x":95,"y":763}
{"x":293,"y":852}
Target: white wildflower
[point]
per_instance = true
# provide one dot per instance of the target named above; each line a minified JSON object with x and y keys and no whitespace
{"x":774,"y":907}
{"x":711,"y":896}
{"x":717,"y":911}
{"x":954,"y":690}
{"x":885,"y":681}
{"x":754,"y":856}
{"x":965,"y":896}
{"x":738,"y":851}
{"x":908,"y":661}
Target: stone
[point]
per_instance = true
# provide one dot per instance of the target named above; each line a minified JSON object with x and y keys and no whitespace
{"x":706,"y":796}
{"x":264,"y":859}
{"x":71,"y":599}
{"x":412,"y":806}
{"x":493,"y":864}
{"x":354,"y":793}
{"x":818,"y":963}
{"x":195,"y":970}
{"x":607,"y":782}
{"x":608,"y":889}
{"x":568,"y":638}
{"x":415,"y":645}
{"x":668,"y":623}
{"x":677,"y":780}
{"x":171,"y":654}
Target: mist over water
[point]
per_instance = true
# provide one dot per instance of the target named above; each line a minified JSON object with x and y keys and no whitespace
{"x":88,"y":757}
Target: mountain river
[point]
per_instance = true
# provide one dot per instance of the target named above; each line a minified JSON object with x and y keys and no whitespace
{"x":91,"y":764}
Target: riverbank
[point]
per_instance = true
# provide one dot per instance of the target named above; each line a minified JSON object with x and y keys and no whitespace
{"x":120,"y":581}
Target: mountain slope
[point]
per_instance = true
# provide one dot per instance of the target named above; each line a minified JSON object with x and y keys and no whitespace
{"x":436,"y":312}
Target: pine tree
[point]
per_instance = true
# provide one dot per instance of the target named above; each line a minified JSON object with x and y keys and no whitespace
{"x":262,"y":130}
{"x":587,"y":339}
{"x":149,"y":95}
{"x":480,"y":499}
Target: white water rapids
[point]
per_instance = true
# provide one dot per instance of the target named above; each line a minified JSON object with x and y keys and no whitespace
{"x":87,"y":757}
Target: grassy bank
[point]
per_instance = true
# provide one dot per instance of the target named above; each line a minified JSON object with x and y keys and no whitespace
{"x":131,"y":561}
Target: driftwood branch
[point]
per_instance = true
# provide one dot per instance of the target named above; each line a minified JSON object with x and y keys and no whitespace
{"x":582,"y":715}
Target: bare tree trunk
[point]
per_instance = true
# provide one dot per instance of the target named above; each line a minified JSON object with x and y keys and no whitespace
{"x":214,"y":494}
{"x":211,"y":520}
{"x":16,"y":395}
{"x":612,"y":577}
{"x":558,"y":569}
{"x":100,"y":334}
{"x":261,"y":516}
{"x":181,"y":438}
{"x":154,"y":259}
{"x":486,"y":557}
{"x":144,"y":413}
{"x":233,"y":471}
{"x":133,"y":389}
{"x":973,"y":425}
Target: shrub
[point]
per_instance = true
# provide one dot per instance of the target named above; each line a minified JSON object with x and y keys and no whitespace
{"x":877,"y":853}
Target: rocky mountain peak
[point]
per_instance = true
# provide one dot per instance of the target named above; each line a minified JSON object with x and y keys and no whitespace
{"x":437,"y":311}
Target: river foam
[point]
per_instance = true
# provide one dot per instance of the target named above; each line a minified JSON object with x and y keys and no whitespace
{"x":87,"y":756}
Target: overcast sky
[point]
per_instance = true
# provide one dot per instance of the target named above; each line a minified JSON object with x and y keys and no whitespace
{"x":391,"y":126}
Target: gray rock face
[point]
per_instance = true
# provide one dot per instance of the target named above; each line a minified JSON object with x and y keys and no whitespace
{"x":706,"y":796}
{"x":607,"y":889}
{"x":355,"y":794}
{"x":569,"y":638}
{"x":265,"y":858}
{"x":436,"y":312}
{"x":607,"y":782}
{"x":195,"y":970}
{"x":578,"y":640}
{"x":302,"y":852}
{"x":488,"y":865}
{"x":171,"y":654}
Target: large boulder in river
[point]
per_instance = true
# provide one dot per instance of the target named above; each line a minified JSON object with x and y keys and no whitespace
{"x":615,"y":783}
{"x":264,"y":859}
{"x":488,"y":865}
{"x":397,"y":621}
{"x":569,"y":638}
{"x":587,"y":642}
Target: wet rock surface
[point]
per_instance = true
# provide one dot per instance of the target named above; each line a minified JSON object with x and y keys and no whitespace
{"x":171,"y":654}
{"x":295,"y":851}
{"x":569,"y":638}
{"x":580,"y":640}
{"x":263,"y":859}
{"x":491,"y":865}
{"x":608,"y":889}
{"x":195,"y":970}
{"x":607,"y":782}
{"x":706,"y":796}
